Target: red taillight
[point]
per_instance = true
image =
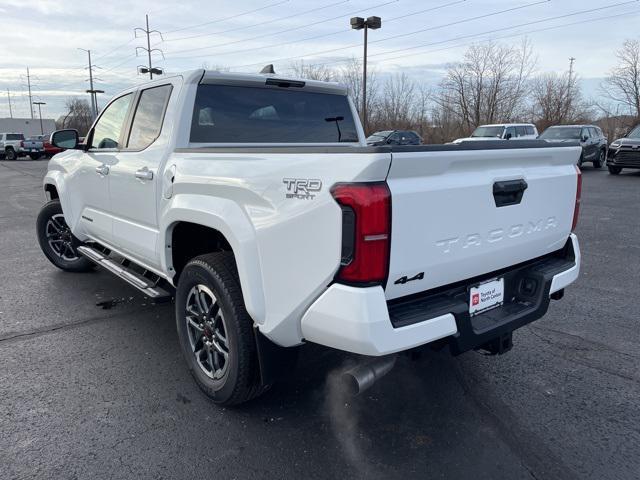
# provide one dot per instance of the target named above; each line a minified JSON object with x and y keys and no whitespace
{"x":21,"y":143}
{"x":366,"y":235}
{"x":576,"y":210}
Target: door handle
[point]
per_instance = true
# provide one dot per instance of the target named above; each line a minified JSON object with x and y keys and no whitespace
{"x":102,"y":170}
{"x":144,"y":174}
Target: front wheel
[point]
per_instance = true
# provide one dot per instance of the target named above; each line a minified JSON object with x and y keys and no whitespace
{"x":614,"y":170}
{"x":602,"y":159}
{"x":11,"y":154}
{"x":215,"y":331}
{"x":56,"y":240}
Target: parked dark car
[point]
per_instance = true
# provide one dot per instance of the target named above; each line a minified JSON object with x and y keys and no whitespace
{"x":624,"y":152}
{"x":394,"y":137}
{"x":591,"y":138}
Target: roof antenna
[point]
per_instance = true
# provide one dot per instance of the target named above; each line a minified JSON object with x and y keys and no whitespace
{"x":268,"y":69}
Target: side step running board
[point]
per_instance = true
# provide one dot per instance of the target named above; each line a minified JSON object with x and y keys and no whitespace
{"x":145,"y":285}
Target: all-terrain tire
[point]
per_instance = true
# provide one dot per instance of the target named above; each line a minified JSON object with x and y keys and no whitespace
{"x":56,"y":240}
{"x":216,"y":274}
{"x":11,"y":154}
{"x":614,"y":170}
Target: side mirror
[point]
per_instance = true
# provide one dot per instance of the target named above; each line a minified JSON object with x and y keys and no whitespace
{"x":67,"y":139}
{"x":508,"y":136}
{"x":585,"y":138}
{"x":389,"y":141}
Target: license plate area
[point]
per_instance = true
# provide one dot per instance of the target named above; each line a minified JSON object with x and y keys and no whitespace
{"x":485,"y":296}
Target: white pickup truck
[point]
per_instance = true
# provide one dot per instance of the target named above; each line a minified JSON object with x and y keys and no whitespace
{"x":256,"y":201}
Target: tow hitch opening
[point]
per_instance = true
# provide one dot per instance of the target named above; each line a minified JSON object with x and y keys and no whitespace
{"x":498,"y":345}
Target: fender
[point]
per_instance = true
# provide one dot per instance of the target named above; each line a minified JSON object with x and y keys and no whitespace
{"x":229,"y":219}
{"x":57,"y":179}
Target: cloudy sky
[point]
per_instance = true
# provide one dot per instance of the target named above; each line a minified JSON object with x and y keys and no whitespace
{"x":419,"y":37}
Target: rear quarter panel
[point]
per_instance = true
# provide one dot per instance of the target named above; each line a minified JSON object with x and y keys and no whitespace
{"x":287,"y":244}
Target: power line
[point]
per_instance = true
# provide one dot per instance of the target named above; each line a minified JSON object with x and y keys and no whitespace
{"x":266,"y":22}
{"x":224,"y":19}
{"x":286,"y":31}
{"x":517,"y":34}
{"x":386,"y":38}
{"x":114,"y":49}
{"x":434,"y":28}
{"x":525,"y":24}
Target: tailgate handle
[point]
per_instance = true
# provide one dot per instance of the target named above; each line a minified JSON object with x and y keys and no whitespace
{"x":509,"y":192}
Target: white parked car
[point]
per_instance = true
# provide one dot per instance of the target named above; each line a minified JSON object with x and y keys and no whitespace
{"x":256,"y":201}
{"x":503,"y":131}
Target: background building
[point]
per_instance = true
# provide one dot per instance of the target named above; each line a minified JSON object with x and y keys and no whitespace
{"x":27,"y":126}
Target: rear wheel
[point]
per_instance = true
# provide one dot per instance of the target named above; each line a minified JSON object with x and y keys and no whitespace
{"x":10,"y":153}
{"x":56,"y":240}
{"x":215,"y":331}
{"x":614,"y":170}
{"x":602,"y":159}
{"x":580,"y":161}
{"x":34,"y":156}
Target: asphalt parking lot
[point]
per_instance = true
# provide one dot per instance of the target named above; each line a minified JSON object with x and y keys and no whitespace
{"x":92,"y":383}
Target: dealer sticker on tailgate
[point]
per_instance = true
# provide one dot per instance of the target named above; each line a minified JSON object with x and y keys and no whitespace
{"x":486,"y":295}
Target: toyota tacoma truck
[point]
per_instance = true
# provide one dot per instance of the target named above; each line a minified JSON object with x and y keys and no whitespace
{"x":255,"y":202}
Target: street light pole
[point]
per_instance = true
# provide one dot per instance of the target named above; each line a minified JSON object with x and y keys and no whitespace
{"x":40,"y":115}
{"x":359,"y":23}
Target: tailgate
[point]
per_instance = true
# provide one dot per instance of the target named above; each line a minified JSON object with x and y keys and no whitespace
{"x":446,"y":223}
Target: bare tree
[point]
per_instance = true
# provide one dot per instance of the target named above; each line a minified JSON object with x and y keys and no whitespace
{"x":351,"y":75}
{"x":557,"y":99}
{"x":312,"y":72}
{"x":614,"y":122}
{"x":78,"y":116}
{"x":395,"y":108}
{"x":489,"y":85}
{"x":623,"y":83}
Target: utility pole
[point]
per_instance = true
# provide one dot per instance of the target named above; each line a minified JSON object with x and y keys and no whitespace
{"x":30,"y":97}
{"x":149,"y":69}
{"x":91,"y":91}
{"x":358,"y":23}
{"x":10,"y":109}
{"x":571,"y":60}
{"x":40,"y":115}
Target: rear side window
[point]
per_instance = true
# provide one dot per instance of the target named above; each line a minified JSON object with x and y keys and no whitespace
{"x":521,"y":131}
{"x":232,"y":114}
{"x":15,"y":136}
{"x":529,"y":129}
{"x":149,"y":116}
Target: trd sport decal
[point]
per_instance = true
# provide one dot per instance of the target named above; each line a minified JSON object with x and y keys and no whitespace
{"x":302,"y":188}
{"x":405,"y":279}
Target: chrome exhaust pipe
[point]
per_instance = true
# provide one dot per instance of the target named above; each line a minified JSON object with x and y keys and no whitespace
{"x":361,"y":377}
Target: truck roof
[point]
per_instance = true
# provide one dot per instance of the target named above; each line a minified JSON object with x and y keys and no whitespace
{"x":250,"y":79}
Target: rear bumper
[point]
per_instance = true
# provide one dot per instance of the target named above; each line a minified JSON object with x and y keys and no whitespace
{"x":360,"y":320}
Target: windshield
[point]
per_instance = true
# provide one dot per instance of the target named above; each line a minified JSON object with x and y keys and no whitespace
{"x":561,"y":134}
{"x":376,"y":137}
{"x":635,"y":133}
{"x":488,"y":132}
